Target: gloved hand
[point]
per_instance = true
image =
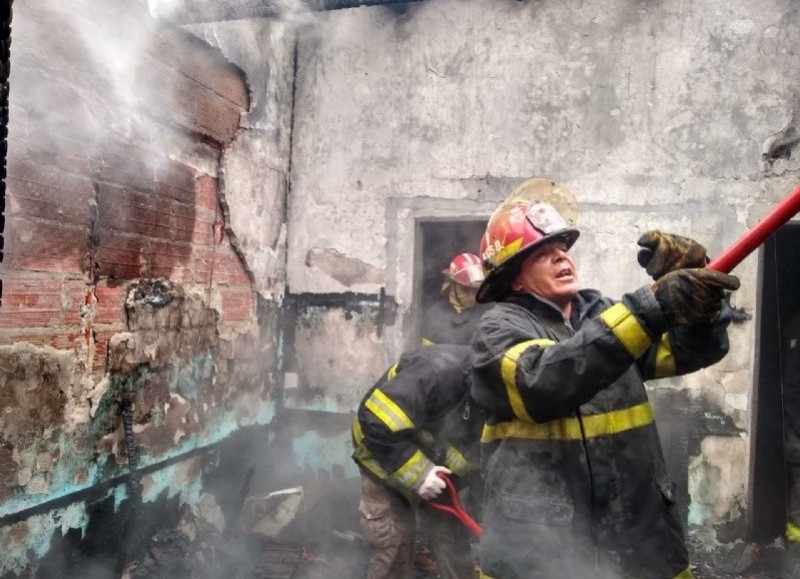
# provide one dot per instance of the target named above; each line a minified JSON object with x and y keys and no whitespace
{"x":691,"y":296}
{"x":433,"y":486}
{"x":664,"y":252}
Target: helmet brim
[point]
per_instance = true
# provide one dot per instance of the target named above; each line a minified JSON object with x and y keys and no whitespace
{"x":498,"y":281}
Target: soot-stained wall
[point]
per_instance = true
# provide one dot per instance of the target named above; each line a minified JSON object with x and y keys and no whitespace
{"x":123,"y":278}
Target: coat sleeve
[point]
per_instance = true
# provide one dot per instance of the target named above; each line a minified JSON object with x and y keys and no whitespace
{"x":519,"y":374}
{"x":387,"y":428}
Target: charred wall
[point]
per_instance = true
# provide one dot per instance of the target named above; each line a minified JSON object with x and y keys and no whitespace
{"x":123,"y":280}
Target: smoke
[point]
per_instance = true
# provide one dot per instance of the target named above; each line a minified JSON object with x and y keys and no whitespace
{"x":94,"y":62}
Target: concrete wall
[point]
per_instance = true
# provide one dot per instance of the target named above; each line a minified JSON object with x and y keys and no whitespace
{"x":654,"y":114}
{"x":130,"y":271}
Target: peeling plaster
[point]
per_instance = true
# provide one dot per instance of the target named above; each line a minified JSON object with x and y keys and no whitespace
{"x":716,"y":480}
{"x":346,"y":270}
{"x":34,"y":534}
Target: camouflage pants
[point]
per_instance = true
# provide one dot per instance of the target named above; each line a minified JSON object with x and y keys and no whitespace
{"x":388,"y":524}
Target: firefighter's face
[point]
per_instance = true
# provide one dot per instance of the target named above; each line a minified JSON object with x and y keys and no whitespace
{"x":549,"y":272}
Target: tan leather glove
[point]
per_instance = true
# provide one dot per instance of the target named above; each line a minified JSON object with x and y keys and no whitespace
{"x":665,"y":252}
{"x":692,"y":296}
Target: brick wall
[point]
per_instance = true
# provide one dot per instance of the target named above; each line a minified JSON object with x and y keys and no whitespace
{"x":119,"y":278}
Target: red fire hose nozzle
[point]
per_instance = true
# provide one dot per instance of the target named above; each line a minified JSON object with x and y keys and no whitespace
{"x":745,"y":245}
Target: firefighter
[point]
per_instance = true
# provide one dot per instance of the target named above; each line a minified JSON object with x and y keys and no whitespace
{"x":415,"y":422}
{"x":575,"y":481}
{"x":791,"y":409}
{"x":453,"y":320}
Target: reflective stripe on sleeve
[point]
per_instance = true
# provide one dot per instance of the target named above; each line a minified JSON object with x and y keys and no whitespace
{"x":363,"y":455}
{"x":594,"y":425}
{"x":409,"y":473}
{"x":685,"y":574}
{"x":456,"y":461}
{"x":792,"y":533}
{"x":665,"y":360}
{"x":508,"y":370}
{"x":388,"y":412}
{"x":627,"y":329}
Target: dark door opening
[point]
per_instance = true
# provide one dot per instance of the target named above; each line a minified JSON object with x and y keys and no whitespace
{"x":779,"y":300}
{"x":438,"y":241}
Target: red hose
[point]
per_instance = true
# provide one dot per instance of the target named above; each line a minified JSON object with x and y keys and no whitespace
{"x":745,"y":245}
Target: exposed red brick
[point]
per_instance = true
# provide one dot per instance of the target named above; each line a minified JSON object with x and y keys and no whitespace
{"x":46,"y":192}
{"x":215,"y":117}
{"x":44,"y":246}
{"x":183,"y":219}
{"x":110,"y":306}
{"x":65,"y":340}
{"x":121,"y":257}
{"x":102,"y":337}
{"x":237,"y":305}
{"x":30,"y":303}
{"x":110,"y":206}
{"x":100,"y":352}
{"x":73,"y":293}
{"x":147,"y":215}
{"x":203,"y":264}
{"x":206,"y":67}
{"x":231,"y":271}
{"x":233,"y":88}
{"x":207,"y":192}
{"x":127,"y":166}
{"x":170,"y":260}
{"x":176,"y":181}
{"x":134,"y":212}
{"x":202,"y":228}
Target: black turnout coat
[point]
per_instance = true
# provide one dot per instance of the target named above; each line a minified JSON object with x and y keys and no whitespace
{"x":575,"y":480}
{"x":418,"y":415}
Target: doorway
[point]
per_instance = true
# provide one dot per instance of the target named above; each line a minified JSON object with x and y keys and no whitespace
{"x":779,"y":300}
{"x":438,"y":241}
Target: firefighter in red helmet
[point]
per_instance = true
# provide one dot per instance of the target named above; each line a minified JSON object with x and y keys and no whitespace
{"x":575,"y":483}
{"x":452,"y":320}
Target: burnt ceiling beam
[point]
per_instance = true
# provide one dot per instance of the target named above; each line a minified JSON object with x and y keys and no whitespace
{"x":199,"y":11}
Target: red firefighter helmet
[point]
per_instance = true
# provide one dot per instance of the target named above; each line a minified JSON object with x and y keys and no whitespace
{"x":536,"y":212}
{"x":465,"y":269}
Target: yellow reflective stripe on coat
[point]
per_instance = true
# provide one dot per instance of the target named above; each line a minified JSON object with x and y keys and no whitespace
{"x":508,"y":370}
{"x":594,"y":425}
{"x":627,"y":329}
{"x":392,"y":372}
{"x":665,"y":360}
{"x":363,"y":455}
{"x":407,"y":475}
{"x":792,"y":533}
{"x":456,"y":461}
{"x":482,"y":575}
{"x":388,"y":412}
